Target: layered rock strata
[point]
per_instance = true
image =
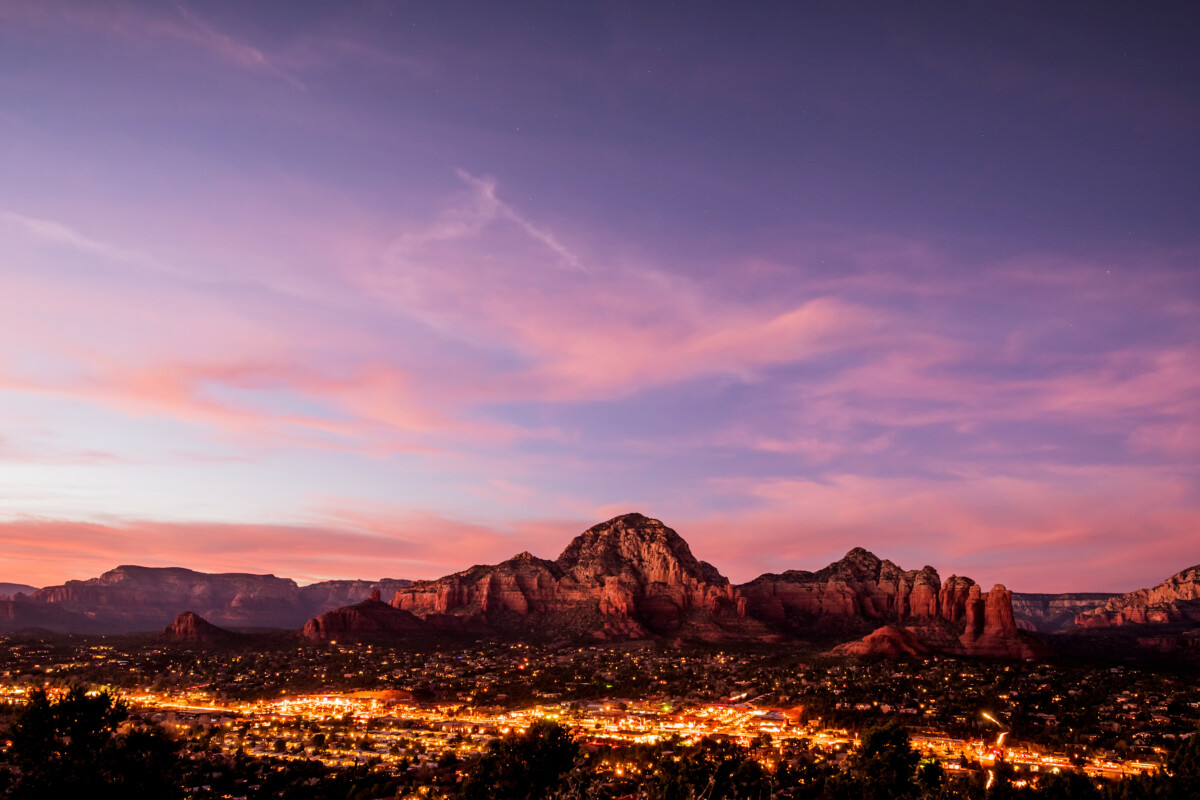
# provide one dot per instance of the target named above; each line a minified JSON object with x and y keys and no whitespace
{"x":1054,"y":613}
{"x":1175,"y":600}
{"x":860,"y":591}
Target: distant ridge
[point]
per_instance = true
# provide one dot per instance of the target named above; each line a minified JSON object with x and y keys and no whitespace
{"x":1175,"y":600}
{"x":135,"y":599}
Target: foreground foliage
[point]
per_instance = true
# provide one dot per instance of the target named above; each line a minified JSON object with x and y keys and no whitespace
{"x":73,"y":746}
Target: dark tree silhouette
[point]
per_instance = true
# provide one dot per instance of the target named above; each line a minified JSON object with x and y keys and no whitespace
{"x":71,"y":747}
{"x":524,"y":767}
{"x":883,"y":768}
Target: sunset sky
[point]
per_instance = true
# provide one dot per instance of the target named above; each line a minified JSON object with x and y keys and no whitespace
{"x":389,"y":289}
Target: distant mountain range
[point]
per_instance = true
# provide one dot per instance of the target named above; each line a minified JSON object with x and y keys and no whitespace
{"x":628,"y":578}
{"x":132,"y":599}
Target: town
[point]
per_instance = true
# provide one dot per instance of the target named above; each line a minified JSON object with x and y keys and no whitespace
{"x":424,"y":716}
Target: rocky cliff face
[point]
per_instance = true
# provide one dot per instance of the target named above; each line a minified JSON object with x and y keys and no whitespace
{"x":629,"y":577}
{"x":633,"y":577}
{"x":859,"y":587}
{"x":191,"y":628}
{"x":1054,"y":613}
{"x":860,"y":591}
{"x":132,"y":598}
{"x":990,"y":629}
{"x":1175,"y":600}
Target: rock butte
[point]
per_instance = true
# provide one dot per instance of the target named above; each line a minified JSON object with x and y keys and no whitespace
{"x":633,"y":577}
{"x":191,"y":627}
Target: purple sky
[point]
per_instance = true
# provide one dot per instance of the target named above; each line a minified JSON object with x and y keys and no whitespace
{"x":367,"y":289}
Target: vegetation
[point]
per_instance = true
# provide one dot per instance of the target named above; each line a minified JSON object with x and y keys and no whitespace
{"x":73,"y":746}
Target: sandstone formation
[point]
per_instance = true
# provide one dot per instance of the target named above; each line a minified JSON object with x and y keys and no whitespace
{"x":191,"y":628}
{"x":633,"y":577}
{"x":861,"y":591}
{"x":630,"y":577}
{"x":1054,"y":613}
{"x":132,"y":598}
{"x":372,"y":619}
{"x":891,"y":641}
{"x":990,"y":628}
{"x":858,"y":588}
{"x":1175,"y":600}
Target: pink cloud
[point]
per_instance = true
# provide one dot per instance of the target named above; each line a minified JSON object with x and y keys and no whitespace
{"x":1063,"y":529}
{"x":413,"y":544}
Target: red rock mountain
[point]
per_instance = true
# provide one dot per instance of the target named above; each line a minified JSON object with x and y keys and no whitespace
{"x":858,"y":587}
{"x":892,"y":641}
{"x":192,"y":628}
{"x":1175,"y":600}
{"x":132,"y":598}
{"x":633,"y":577}
{"x":372,"y":619}
{"x":630,"y":577}
{"x":861,"y":590}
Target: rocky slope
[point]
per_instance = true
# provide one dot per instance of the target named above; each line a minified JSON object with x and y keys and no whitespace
{"x":1054,"y":613}
{"x":860,"y":592}
{"x":633,"y":577}
{"x":858,"y":588}
{"x":191,"y":628}
{"x":630,"y":577}
{"x":372,"y":619}
{"x":892,"y":641}
{"x":1175,"y":600}
{"x":132,"y":598}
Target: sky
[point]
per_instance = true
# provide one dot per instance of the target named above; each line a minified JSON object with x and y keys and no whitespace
{"x":389,"y":289}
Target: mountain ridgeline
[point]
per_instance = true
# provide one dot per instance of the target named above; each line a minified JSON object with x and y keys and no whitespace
{"x":628,"y":578}
{"x":633,"y":577}
{"x":132,"y":599}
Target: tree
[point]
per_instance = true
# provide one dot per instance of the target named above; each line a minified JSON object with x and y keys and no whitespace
{"x":1068,"y":785}
{"x":70,"y":747}
{"x":523,"y":767}
{"x":884,"y":767}
{"x":1185,"y":768}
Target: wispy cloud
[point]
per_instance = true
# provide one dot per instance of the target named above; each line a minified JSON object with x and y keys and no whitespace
{"x":220,"y":44}
{"x":58,"y":233}
{"x":140,"y":21}
{"x":496,"y":207}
